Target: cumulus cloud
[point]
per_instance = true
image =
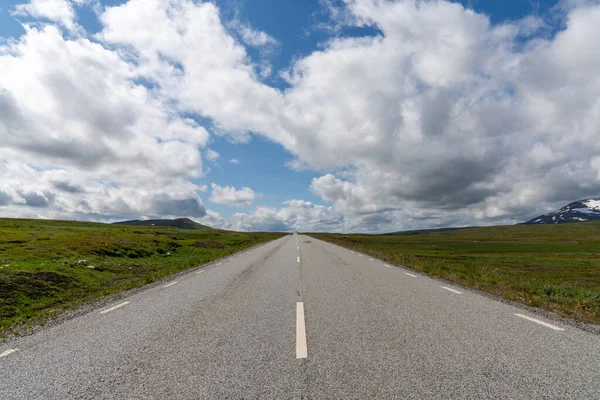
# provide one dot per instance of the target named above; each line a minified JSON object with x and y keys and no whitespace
{"x":68,"y":187}
{"x":444,"y":111}
{"x":5,"y":198}
{"x":192,"y":206}
{"x":266,"y":45}
{"x":60,"y":11}
{"x":438,"y":111}
{"x":214,"y":220}
{"x":231,"y":196}
{"x":293,"y":215}
{"x":441,"y":118}
{"x":300,"y":215}
{"x":35,"y":199}
{"x":233,"y":161}
{"x":80,"y":138}
{"x":53,"y":193}
{"x":184,"y":47}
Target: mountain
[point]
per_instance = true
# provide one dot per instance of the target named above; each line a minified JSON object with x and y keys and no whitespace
{"x":182,"y":223}
{"x":582,"y":210}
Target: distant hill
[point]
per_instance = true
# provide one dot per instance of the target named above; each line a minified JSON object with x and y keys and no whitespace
{"x":420,"y":231}
{"x":182,"y":223}
{"x":578,"y":211}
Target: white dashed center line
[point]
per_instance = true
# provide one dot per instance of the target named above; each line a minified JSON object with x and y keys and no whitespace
{"x":301,"y":349}
{"x":298,"y":259}
{"x":7,"y":352}
{"x":452,"y":290}
{"x":171,"y":284}
{"x":199,"y":272}
{"x":218,"y":264}
{"x":409,"y":274}
{"x":537,"y":321}
{"x":389,"y":266}
{"x":370,"y":259}
{"x":115,"y":307}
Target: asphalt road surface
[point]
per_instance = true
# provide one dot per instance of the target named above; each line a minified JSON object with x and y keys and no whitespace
{"x":298,"y":318}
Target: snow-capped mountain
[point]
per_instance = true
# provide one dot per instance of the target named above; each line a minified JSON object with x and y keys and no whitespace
{"x":582,"y":210}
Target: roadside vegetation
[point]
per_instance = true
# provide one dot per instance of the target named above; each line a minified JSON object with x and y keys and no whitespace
{"x":554,"y":267}
{"x":47,"y":267}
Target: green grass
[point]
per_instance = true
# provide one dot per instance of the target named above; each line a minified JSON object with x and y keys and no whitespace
{"x":554,"y":267}
{"x":40,"y":276}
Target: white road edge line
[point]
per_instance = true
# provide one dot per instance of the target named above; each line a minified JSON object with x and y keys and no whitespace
{"x":171,"y":284}
{"x":537,"y":321}
{"x":301,"y":349}
{"x":218,"y":264}
{"x":370,"y":259}
{"x":7,"y":352}
{"x":409,"y":274}
{"x":199,"y":272}
{"x":115,"y":307}
{"x":389,"y":266}
{"x":298,"y":259}
{"x":452,"y":290}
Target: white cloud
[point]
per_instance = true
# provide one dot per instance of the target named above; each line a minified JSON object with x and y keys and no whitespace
{"x":297,"y":165}
{"x":233,"y":161}
{"x":447,"y":116}
{"x":293,"y":215}
{"x":66,"y":193}
{"x":265,"y":43}
{"x":71,"y":117}
{"x":443,"y":118}
{"x":60,"y":11}
{"x":304,"y":216}
{"x":445,"y":112}
{"x":184,"y":47}
{"x":211,"y":155}
{"x":253,"y":37}
{"x":214,"y":220}
{"x":231,"y":196}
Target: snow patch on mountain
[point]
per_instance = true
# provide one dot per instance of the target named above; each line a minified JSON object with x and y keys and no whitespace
{"x":578,"y":211}
{"x":593,"y":204}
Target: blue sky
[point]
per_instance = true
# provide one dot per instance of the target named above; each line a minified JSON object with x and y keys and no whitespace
{"x":354,"y":115}
{"x":261,"y":167}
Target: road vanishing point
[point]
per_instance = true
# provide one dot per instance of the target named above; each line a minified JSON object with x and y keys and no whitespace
{"x":298,"y":318}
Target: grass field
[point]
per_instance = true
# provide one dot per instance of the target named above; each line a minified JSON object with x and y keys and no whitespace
{"x":40,"y":276}
{"x":555,"y":267}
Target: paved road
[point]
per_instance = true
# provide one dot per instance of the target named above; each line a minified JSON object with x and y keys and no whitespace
{"x":236,"y":331}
